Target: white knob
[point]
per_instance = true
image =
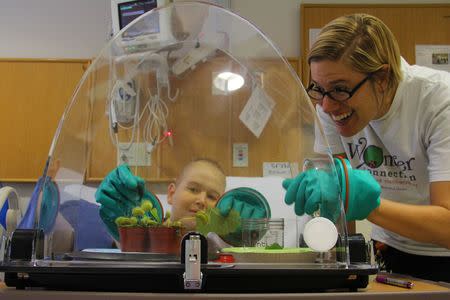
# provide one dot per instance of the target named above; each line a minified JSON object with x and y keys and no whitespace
{"x":320,"y":234}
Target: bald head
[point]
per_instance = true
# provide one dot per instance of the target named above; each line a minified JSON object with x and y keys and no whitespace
{"x":213,"y":168}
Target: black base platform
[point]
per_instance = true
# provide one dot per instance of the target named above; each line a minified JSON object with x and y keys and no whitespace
{"x":220,"y":278}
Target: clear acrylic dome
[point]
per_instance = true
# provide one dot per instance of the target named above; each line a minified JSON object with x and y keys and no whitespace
{"x":182,"y":82}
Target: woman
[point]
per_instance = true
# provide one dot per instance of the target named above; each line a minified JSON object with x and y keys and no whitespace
{"x":392,"y":122}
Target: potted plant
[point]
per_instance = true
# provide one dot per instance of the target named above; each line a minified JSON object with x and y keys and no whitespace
{"x":133,"y":237}
{"x":164,"y":236}
{"x":145,"y":231}
{"x":164,"y":239}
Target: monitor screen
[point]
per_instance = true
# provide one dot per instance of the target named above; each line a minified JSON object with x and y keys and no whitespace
{"x":130,"y":10}
{"x":148,"y":34}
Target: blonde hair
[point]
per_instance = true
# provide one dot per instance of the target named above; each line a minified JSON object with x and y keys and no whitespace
{"x":363,"y":42}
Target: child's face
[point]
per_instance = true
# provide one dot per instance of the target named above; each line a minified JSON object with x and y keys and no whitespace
{"x":200,"y":187}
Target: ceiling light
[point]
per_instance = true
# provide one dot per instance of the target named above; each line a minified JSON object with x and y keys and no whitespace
{"x":228,"y":81}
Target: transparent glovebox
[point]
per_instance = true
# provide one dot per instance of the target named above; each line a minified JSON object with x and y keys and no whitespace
{"x":209,"y":86}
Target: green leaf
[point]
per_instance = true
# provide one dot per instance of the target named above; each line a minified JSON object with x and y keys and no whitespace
{"x":148,"y":222}
{"x":146,"y":205}
{"x":177,"y":224}
{"x":274,"y":246}
{"x":123,"y":221}
{"x":154,"y":213}
{"x":133,"y":221}
{"x":217,"y":223}
{"x":202,"y":217}
{"x":137,"y":212}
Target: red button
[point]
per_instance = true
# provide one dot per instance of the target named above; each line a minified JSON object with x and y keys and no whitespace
{"x":225,"y":258}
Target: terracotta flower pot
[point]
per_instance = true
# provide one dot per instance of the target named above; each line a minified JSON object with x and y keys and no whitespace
{"x":133,"y":239}
{"x":164,"y":240}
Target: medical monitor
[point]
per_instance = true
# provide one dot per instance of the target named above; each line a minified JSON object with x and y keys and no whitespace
{"x":124,"y":12}
{"x":157,"y":29}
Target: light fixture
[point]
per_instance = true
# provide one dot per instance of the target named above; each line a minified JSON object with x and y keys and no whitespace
{"x":228,"y":81}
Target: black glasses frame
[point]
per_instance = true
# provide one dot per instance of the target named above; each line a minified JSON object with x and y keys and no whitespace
{"x":314,"y":93}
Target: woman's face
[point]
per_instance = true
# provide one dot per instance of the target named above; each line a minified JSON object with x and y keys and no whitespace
{"x":352,"y":115}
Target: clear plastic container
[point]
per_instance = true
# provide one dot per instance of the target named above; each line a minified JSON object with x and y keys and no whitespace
{"x":263,"y":232}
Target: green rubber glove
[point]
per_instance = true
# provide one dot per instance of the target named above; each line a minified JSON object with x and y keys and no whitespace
{"x":364,"y":194}
{"x":318,"y":189}
{"x":312,"y":190}
{"x":119,"y":193}
{"x":249,"y":203}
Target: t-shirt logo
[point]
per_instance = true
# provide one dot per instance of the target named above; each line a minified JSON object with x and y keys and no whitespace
{"x":373,"y":156}
{"x":383,"y":166}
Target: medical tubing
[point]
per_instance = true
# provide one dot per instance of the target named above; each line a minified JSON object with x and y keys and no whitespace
{"x":156,"y":108}
{"x":156,"y":119}
{"x":132,"y":127}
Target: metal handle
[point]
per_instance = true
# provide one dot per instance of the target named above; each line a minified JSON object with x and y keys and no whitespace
{"x":193,"y":275}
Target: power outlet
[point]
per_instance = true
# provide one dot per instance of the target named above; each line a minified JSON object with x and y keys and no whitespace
{"x":135,"y":155}
{"x":240,"y":155}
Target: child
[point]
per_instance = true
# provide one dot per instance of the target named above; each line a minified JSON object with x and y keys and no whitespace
{"x":199,"y":186}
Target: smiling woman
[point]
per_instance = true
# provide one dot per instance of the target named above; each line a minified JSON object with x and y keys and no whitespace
{"x":392,"y":122}
{"x":365,"y":98}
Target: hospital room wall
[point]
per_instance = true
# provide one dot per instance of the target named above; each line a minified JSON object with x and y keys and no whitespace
{"x":68,"y":29}
{"x":80,"y":28}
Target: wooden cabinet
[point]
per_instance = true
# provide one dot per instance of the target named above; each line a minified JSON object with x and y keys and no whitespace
{"x":34,"y":94}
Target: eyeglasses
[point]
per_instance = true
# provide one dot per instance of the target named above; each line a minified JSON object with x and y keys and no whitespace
{"x":338,"y":94}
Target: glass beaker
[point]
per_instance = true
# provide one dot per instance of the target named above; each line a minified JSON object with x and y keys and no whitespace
{"x":263,"y":232}
{"x":319,"y":233}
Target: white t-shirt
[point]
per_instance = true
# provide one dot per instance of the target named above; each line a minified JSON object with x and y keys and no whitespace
{"x":405,"y":149}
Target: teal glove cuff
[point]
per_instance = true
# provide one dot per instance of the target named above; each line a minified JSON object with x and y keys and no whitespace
{"x":359,"y":190}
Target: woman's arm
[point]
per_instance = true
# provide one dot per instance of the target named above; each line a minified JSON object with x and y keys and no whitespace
{"x":423,"y":223}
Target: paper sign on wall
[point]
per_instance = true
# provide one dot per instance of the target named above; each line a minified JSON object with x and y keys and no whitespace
{"x":280,"y":169}
{"x":313,"y":35}
{"x":257,"y":111}
{"x":433,"y":56}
